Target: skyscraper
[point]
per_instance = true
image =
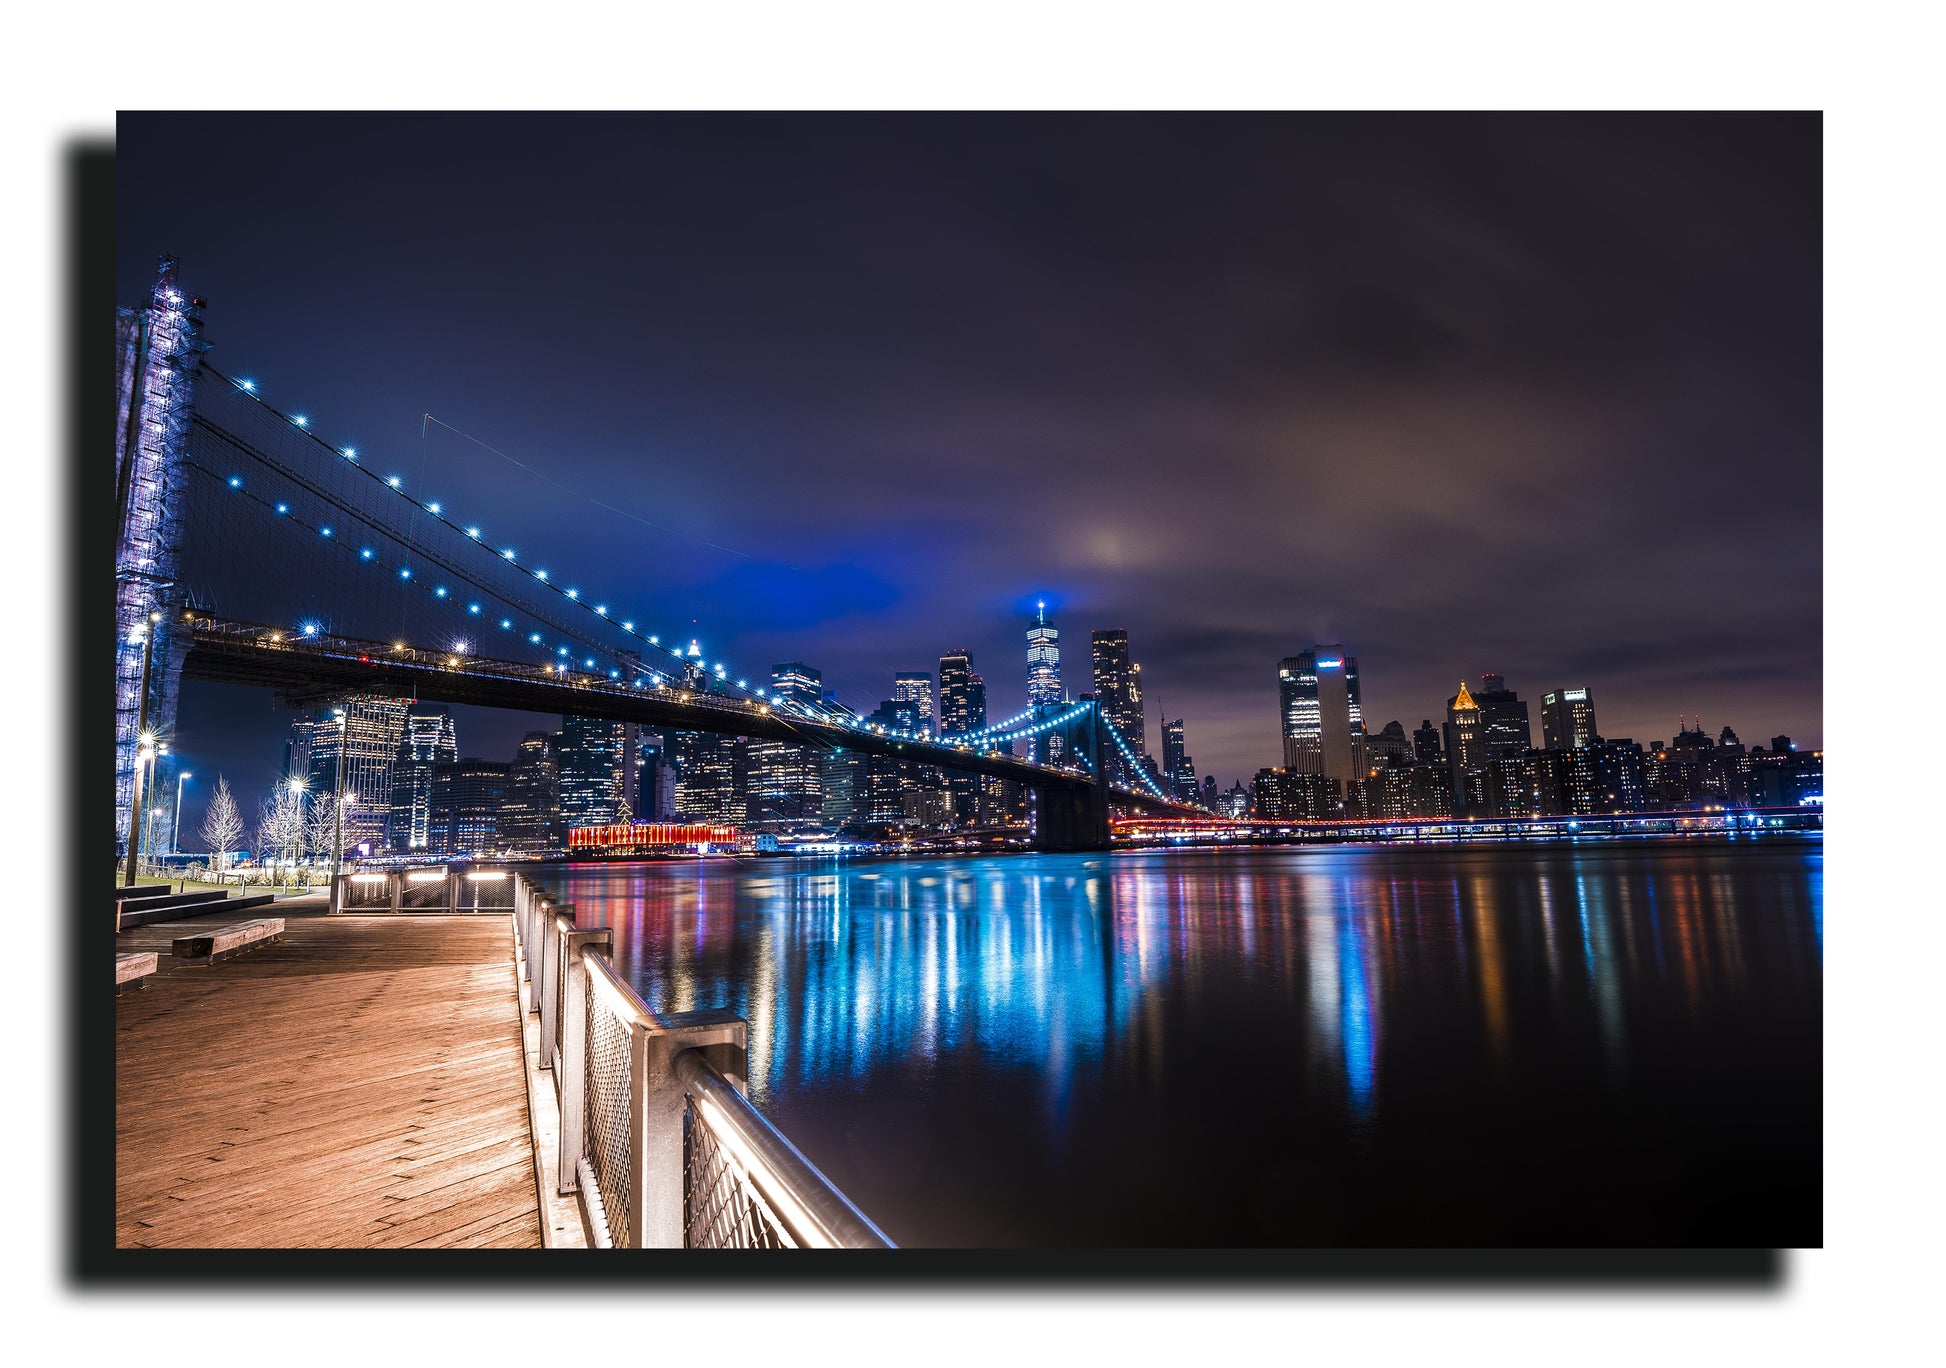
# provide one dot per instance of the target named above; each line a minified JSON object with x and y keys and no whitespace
{"x":469,"y":801}
{"x":531,"y":821}
{"x":784,"y":785}
{"x":797,"y":683}
{"x":1503,"y":719}
{"x":1322,"y":719}
{"x":1466,"y":750}
{"x":426,"y":741}
{"x":1567,"y":719}
{"x":955,"y":693}
{"x":1425,"y":743}
{"x":915,"y":687}
{"x":1118,"y":689}
{"x":593,"y":761}
{"x":370,"y":731}
{"x":1178,"y":770}
{"x":1043,"y":661}
{"x":712,"y":778}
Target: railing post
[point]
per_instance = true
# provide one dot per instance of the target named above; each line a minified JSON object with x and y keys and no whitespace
{"x":723,"y":1038}
{"x":396,"y":880}
{"x":572,"y":1078}
{"x":550,"y":995}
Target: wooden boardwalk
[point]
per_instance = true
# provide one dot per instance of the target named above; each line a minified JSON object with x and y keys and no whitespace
{"x":360,"y":1084}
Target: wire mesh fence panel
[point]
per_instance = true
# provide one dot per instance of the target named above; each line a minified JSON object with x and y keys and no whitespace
{"x":366,"y":893}
{"x":722,"y":1208}
{"x":607,"y":1107}
{"x":485,"y":892}
{"x":428,"y":895}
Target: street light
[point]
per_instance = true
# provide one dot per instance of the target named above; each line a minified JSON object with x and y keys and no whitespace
{"x":175,"y":835}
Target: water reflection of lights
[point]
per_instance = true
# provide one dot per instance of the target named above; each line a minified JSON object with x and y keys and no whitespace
{"x":1086,"y":973}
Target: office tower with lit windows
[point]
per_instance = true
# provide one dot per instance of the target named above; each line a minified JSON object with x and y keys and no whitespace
{"x":955,"y":686}
{"x":1567,"y":719}
{"x":1503,"y":719}
{"x":1178,"y":769}
{"x":1043,"y":661}
{"x":426,"y":741}
{"x":798,"y":684}
{"x":371,"y":729}
{"x":1321,"y":717}
{"x":915,"y":687}
{"x":712,"y":778}
{"x":1118,"y":689}
{"x":784,"y":783}
{"x":1466,"y":749}
{"x":469,"y":802}
{"x":785,"y":789}
{"x":594,"y":770}
{"x":531,"y":821}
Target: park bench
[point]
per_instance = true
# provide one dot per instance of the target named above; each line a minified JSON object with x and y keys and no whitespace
{"x":133,"y":912}
{"x":221,"y":942}
{"x":131,"y":969}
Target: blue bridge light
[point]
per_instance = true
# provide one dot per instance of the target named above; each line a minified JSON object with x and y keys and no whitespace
{"x":236,"y":482}
{"x":351,"y":453}
{"x":324,"y":531}
{"x":250,"y":385}
{"x":300,"y":420}
{"x":366,"y":553}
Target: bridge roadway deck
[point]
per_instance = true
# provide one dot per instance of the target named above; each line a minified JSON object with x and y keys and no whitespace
{"x":358,"y":1085}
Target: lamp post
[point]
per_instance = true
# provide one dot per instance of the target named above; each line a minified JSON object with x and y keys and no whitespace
{"x":144,"y":750}
{"x":338,"y":798}
{"x":297,"y":788}
{"x":175,"y":833}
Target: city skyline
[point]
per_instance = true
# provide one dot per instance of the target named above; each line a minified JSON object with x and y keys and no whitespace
{"x":1589,"y":470}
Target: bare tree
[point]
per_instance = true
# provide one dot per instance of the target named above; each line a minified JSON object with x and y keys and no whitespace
{"x":280,"y":824}
{"x":222,"y":824}
{"x":321,"y":826}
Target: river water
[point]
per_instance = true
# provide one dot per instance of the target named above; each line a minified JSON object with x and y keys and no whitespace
{"x":1600,"y":1044}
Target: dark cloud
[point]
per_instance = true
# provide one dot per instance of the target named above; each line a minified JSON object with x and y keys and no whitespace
{"x":1534,"y":394}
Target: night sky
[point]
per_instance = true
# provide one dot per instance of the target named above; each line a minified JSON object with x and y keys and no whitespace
{"x":1536,"y":395}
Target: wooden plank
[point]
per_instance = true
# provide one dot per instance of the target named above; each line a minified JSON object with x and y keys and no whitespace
{"x":204,"y":947}
{"x":359,"y":1083}
{"x":133,"y":965}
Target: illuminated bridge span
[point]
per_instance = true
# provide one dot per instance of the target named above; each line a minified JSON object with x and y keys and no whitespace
{"x":253,"y":551}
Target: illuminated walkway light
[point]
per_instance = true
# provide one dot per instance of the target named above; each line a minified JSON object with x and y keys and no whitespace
{"x":473,"y":532}
{"x":300,"y":420}
{"x":432,"y":508}
{"x":392,"y":480}
{"x":351,"y":453}
{"x":540,"y":574}
{"x":250,"y":385}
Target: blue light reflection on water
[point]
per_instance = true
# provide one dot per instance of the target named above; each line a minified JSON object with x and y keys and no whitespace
{"x":1368,"y":999}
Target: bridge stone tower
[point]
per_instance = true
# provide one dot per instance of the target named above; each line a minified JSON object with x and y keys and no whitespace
{"x":157,"y":351}
{"x":1075,"y":817}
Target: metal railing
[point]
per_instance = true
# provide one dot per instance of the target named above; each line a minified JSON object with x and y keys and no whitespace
{"x":657,"y":1140}
{"x":431,"y":889}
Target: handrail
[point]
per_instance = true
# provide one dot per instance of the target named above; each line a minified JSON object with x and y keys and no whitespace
{"x":631,"y":1171}
{"x":816,"y":1213}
